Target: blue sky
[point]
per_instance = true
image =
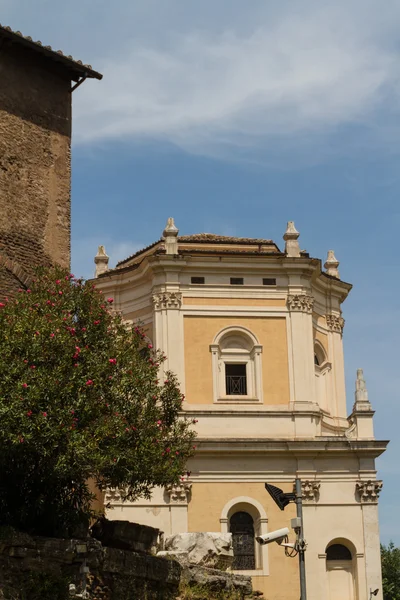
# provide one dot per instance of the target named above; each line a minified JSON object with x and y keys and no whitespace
{"x":235,"y":117}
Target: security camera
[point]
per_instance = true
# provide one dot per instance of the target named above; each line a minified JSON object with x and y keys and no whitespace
{"x":373,"y":593}
{"x":273,"y":536}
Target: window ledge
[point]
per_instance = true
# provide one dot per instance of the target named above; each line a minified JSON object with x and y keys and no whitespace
{"x":240,"y":398}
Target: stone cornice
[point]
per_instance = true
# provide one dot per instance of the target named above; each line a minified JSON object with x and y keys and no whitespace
{"x":300,"y":303}
{"x":313,"y":447}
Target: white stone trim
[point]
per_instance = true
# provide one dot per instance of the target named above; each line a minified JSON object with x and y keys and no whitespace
{"x":251,"y":357}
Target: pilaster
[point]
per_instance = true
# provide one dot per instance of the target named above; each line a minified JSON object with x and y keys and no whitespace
{"x":302,"y":346}
{"x":335,"y":325}
{"x":178,"y":497}
{"x":368,"y":493}
{"x":169,"y":331}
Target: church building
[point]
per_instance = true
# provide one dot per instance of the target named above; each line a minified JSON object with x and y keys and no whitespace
{"x":254,"y":334}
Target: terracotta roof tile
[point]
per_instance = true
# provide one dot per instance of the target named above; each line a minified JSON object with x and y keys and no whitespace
{"x":222,"y":239}
{"x":75,"y":66}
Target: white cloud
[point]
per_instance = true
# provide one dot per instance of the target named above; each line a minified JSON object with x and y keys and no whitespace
{"x":302,"y":72}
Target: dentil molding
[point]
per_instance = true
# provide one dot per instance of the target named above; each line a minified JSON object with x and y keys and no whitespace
{"x":368,"y":491}
{"x":179,"y":493}
{"x":167,"y":300}
{"x":300,"y":302}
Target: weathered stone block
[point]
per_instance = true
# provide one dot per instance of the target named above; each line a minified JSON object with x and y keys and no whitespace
{"x":126,"y":536}
{"x":206,"y":549}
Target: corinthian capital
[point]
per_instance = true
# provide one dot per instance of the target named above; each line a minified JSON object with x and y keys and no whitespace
{"x":369,"y":491}
{"x":179,"y":493}
{"x":335,"y":323}
{"x":300,"y":302}
{"x":309,"y":490}
{"x":167,"y":300}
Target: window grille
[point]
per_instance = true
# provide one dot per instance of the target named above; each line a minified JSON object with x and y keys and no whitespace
{"x":242,"y":529}
{"x":338,"y":552}
{"x":236,"y":380}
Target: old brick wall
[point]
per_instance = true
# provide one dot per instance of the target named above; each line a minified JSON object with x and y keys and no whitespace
{"x":35,"y":137}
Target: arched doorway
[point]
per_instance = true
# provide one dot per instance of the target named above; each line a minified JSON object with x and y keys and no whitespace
{"x":340,"y":572}
{"x":241,"y":526}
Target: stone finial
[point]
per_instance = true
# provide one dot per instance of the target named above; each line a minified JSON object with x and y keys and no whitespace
{"x":361,"y":388}
{"x":101,"y":261}
{"x":170,"y":235}
{"x":291,"y":237}
{"x":332,"y":264}
{"x":361,"y":394}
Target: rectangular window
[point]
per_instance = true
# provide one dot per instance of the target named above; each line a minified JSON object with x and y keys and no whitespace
{"x":235,"y":379}
{"x":236,"y":280}
{"x":269,"y":281}
{"x":197,"y":280}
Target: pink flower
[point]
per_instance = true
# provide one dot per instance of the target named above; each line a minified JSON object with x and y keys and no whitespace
{"x":37,"y":333}
{"x":60,"y":293}
{"x":52,"y":335}
{"x":76,"y":365}
{"x":110,"y":300}
{"x":33,"y":367}
{"x":72,"y":412}
{"x":112,"y":361}
{"x":24,"y":385}
{"x":28,"y":291}
{"x":96,"y":322}
{"x":2,"y":305}
{"x":29,"y":413}
{"x":44,"y":414}
{"x":25,"y":361}
{"x":83,"y":329}
{"x":21,"y":440}
{"x":150,"y":346}
{"x":89,"y":382}
{"x":167,"y":449}
{"x":177,"y":452}
{"x":58,"y":281}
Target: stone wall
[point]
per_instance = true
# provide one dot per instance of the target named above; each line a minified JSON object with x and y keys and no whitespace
{"x":38,"y":568}
{"x":46,"y":566}
{"x":35,"y":135}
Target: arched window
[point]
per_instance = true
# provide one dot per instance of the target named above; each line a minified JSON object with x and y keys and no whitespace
{"x":340,"y":572}
{"x":338,"y":552}
{"x":236,"y":359}
{"x":242,"y":528}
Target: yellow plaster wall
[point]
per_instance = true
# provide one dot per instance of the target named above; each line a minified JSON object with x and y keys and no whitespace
{"x":234,"y":301}
{"x":204,"y":513}
{"x":199,"y":333}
